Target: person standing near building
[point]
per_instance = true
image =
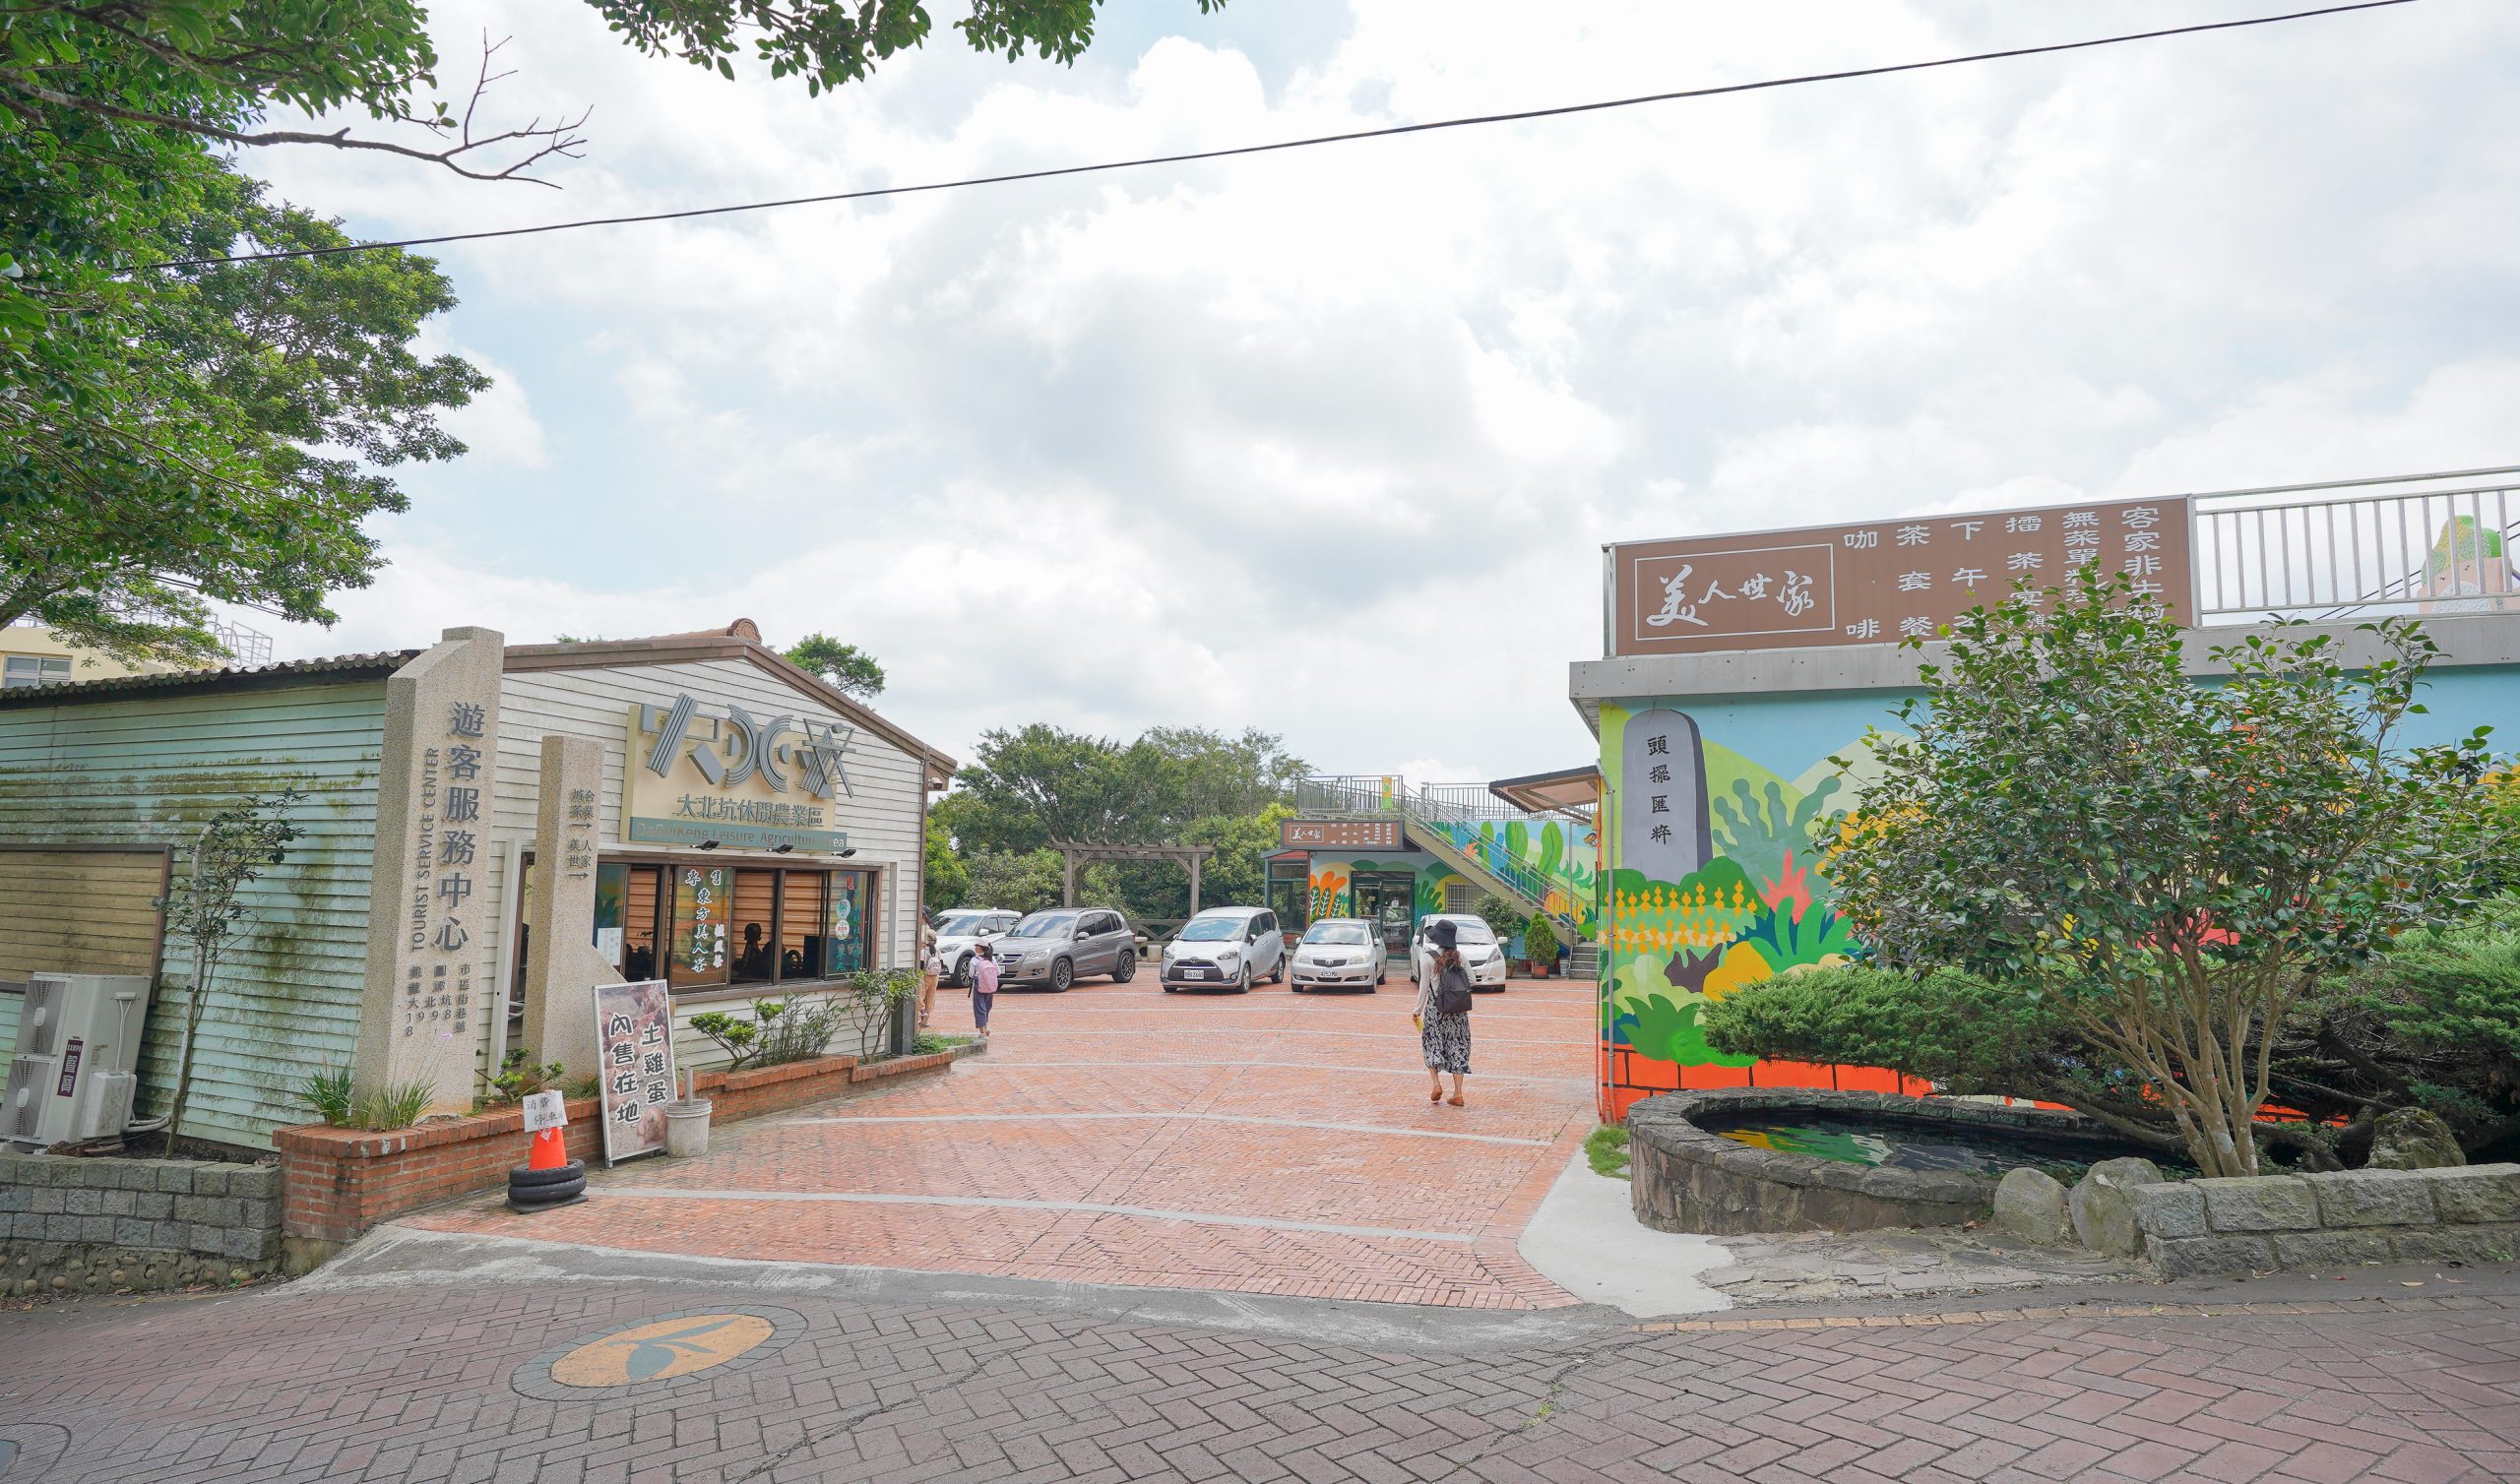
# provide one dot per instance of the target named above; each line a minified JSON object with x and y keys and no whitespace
{"x":983,"y":983}
{"x":1443,"y":1015}
{"x":926,"y":973}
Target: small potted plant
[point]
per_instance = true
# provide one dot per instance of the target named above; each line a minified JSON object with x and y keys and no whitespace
{"x":1539,"y":946}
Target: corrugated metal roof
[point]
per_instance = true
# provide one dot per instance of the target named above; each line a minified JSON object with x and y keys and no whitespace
{"x":250,"y":677}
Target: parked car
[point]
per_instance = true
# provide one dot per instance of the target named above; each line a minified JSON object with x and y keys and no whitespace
{"x":1481,"y":954}
{"x":1338,"y":953}
{"x":1224,"y":948}
{"x":1063,"y":945}
{"x":958,"y":930}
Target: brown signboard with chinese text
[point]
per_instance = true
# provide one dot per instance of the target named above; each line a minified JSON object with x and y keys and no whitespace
{"x":1884,"y":581}
{"x":1356,"y":835}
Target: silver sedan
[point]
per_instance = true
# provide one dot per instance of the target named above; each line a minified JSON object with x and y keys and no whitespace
{"x":1337,"y":953}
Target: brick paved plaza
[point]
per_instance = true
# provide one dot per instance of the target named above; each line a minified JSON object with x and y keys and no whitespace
{"x":1267,"y":1143}
{"x":452,"y":1381}
{"x":1160,"y":1238}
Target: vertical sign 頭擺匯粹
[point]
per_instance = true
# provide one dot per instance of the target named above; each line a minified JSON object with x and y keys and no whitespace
{"x":1663,"y":832}
{"x":634,"y":1046}
{"x":1884,"y":581}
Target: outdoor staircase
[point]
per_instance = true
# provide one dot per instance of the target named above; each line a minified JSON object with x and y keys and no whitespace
{"x":1493,"y":867}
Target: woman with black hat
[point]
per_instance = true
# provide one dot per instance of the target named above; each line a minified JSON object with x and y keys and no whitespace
{"x":1443,"y":1015}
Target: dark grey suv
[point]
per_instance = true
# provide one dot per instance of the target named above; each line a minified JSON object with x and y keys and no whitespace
{"x":1058,"y":946}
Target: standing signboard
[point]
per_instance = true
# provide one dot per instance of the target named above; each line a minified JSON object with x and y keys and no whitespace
{"x":634,"y":1042}
{"x":1883,"y":582}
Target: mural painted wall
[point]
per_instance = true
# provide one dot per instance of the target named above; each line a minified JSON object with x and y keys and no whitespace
{"x":1331,"y":879}
{"x":1708,"y":808}
{"x":1561,"y":857}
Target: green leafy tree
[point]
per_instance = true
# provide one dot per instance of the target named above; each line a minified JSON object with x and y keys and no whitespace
{"x":1540,"y":940}
{"x":1017,"y":882}
{"x":948,"y":875}
{"x":145,"y":465}
{"x":2171,"y":865}
{"x":233,"y":851}
{"x":844,"y":668}
{"x":1503,"y":915}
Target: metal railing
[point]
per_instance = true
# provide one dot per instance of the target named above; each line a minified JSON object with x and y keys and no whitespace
{"x":1348,"y":796}
{"x":1386,"y":795}
{"x":244,"y":646}
{"x":2403,"y":548}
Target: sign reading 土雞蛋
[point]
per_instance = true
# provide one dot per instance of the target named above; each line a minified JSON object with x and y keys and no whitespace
{"x":741,"y":782}
{"x":634,"y":1044}
{"x":1884,"y":581}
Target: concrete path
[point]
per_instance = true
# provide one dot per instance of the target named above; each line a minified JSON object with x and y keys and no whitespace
{"x":1262,"y":1144}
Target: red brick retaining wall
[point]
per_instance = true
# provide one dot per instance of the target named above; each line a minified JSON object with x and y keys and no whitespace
{"x":337,"y":1182}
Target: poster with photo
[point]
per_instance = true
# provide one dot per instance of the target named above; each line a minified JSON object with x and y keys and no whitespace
{"x":634,"y":1047}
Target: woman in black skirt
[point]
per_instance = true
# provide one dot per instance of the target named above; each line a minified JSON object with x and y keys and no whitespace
{"x":1443,"y":1015}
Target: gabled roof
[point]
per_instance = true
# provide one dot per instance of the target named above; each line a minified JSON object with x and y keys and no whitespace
{"x":331,"y":670}
{"x":740,"y":640}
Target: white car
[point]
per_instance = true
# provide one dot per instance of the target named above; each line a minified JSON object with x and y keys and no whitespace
{"x":1337,"y":953}
{"x":1224,"y":948}
{"x":959,"y":931}
{"x":1481,"y":954}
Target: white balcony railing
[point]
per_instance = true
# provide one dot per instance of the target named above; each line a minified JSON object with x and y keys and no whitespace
{"x":2413,"y":543}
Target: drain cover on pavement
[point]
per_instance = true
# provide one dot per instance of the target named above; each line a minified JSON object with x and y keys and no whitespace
{"x":667,"y":1349}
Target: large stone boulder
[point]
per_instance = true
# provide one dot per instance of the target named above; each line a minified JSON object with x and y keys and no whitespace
{"x":2102,"y":1205}
{"x":2409,"y":1139}
{"x":2030,"y":1205}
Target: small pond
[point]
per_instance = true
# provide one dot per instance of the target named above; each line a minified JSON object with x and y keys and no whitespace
{"x":1892,"y":1144}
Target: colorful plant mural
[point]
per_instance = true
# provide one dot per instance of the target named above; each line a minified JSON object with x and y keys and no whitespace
{"x":1552,"y":859}
{"x":1330,"y":882}
{"x":1754,"y":909}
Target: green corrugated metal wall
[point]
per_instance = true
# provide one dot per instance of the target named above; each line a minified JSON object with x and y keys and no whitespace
{"x":149,"y":772}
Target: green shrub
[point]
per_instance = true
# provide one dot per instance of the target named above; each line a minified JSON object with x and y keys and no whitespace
{"x":1540,"y":940}
{"x":395,"y":1105}
{"x":1503,"y":917}
{"x":329,"y":1094}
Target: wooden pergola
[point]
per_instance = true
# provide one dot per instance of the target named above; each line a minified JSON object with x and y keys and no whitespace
{"x":1072,"y":853}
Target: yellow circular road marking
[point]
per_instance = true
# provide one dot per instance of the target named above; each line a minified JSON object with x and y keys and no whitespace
{"x":662,"y":1350}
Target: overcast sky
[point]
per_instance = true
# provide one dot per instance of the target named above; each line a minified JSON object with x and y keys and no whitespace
{"x":1327,"y":441}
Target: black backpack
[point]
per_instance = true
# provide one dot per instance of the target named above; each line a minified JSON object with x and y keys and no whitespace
{"x":1452,"y":991}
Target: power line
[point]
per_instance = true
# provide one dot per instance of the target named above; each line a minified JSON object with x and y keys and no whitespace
{"x":1394,"y":131}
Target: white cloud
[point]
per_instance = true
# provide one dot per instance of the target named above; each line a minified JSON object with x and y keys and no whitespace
{"x":1325,"y":441}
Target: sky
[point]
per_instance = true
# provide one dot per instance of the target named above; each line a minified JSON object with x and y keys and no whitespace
{"x":1327,"y":441}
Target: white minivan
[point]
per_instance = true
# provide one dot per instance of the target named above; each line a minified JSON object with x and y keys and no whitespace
{"x":1224,"y":948}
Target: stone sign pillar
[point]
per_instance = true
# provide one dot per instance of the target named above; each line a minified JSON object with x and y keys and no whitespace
{"x":1664,"y":830}
{"x":428,"y":968}
{"x":561,"y":964}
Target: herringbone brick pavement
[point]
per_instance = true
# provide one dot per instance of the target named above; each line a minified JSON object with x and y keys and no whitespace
{"x":424,"y":1384}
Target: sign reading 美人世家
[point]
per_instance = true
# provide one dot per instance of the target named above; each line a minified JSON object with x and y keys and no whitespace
{"x":1363,"y":835}
{"x":1883,"y":582}
{"x":746,"y":782}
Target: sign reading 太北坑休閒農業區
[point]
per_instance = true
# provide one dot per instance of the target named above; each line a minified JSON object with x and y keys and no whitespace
{"x":634,"y":1049}
{"x":741,"y":782}
{"x":1883,"y":582}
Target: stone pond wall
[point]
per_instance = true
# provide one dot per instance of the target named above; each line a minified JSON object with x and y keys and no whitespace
{"x":2194,"y":1228}
{"x":102,"y":1225}
{"x":1685,"y":1179}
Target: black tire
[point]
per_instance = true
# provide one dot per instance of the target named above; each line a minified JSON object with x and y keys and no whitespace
{"x":521,"y":1177}
{"x":1124,"y":968}
{"x":962,"y":975}
{"x":548,"y":1195}
{"x":1242,"y":986}
{"x":1062,"y":976}
{"x":1278,"y":975}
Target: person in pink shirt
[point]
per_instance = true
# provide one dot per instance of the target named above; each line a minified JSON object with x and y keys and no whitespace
{"x":983,"y":984}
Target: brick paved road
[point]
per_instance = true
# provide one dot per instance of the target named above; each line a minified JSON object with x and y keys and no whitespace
{"x":439,"y":1383}
{"x":1267,"y":1143}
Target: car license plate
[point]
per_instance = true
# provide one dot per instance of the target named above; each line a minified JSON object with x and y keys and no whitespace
{"x":1193,"y":973}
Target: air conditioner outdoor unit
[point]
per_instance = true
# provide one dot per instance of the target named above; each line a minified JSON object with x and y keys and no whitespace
{"x":75,"y":1068}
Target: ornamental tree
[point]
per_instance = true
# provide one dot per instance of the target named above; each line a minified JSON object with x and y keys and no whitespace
{"x":233,"y":851}
{"x":2168,"y":864}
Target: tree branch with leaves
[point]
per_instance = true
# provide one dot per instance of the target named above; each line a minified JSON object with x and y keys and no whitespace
{"x":233,"y":851}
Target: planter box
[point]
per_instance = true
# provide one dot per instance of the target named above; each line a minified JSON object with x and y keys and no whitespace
{"x":337,"y":1182}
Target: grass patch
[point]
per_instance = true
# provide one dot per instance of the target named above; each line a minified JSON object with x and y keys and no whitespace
{"x":1606,"y":1151}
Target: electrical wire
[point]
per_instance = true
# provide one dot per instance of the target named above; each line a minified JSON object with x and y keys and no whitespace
{"x":1392,"y":132}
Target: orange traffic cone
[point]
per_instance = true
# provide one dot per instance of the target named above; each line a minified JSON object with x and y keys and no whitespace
{"x":550,"y":1150}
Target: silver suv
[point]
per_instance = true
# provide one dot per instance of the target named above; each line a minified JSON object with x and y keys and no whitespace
{"x":1060,"y":946}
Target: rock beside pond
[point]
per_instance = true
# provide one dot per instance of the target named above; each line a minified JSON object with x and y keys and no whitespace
{"x":2409,"y":1139}
{"x":2030,"y":1205}
{"x":2103,"y":1205}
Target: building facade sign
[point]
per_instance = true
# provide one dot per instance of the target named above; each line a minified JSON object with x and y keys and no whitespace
{"x":1883,"y":582}
{"x":741,"y":782}
{"x":1361,"y":834}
